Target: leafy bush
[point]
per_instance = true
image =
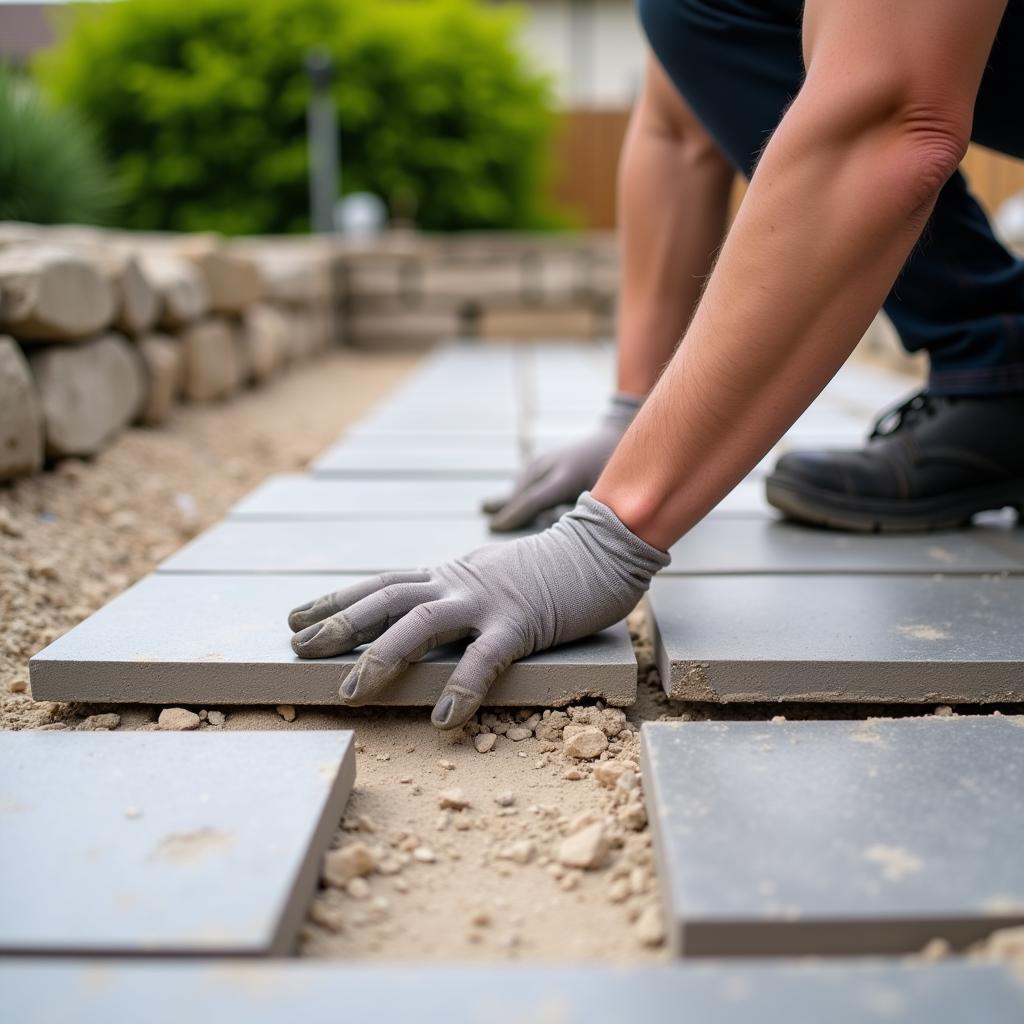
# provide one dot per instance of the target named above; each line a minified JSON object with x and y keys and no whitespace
{"x":51,"y":170}
{"x":203,"y":106}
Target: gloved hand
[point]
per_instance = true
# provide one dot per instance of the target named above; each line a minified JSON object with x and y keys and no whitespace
{"x":560,"y":476}
{"x":513,"y":598}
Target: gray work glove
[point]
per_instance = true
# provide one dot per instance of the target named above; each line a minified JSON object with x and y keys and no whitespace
{"x":513,"y":598}
{"x":560,"y":476}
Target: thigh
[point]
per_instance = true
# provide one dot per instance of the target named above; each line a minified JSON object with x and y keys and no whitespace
{"x":737,"y":63}
{"x":997,"y":113}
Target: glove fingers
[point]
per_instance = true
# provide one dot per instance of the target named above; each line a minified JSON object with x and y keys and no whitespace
{"x":525,"y":505}
{"x":426,"y":626}
{"x":323,"y":607}
{"x":362,"y":622}
{"x":534,"y":470}
{"x":482,"y":662}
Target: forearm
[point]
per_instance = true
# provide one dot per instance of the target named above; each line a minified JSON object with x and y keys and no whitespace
{"x":821,"y":235}
{"x":673,"y":195}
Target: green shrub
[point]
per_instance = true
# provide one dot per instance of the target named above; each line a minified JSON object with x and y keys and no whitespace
{"x":51,"y":171}
{"x":203,"y":106}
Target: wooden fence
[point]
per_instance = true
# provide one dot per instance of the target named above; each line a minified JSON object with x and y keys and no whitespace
{"x":586,"y":152}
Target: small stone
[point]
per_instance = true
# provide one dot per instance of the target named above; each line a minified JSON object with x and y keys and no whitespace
{"x":97,"y":723}
{"x":649,"y":928}
{"x":286,"y":711}
{"x":424,"y":855}
{"x":453,"y":799}
{"x":518,"y":733}
{"x":331,"y":918}
{"x":584,"y":742}
{"x":358,"y":888}
{"x":446,"y":765}
{"x":935,"y":950}
{"x":216,"y":718}
{"x":585,"y":849}
{"x":484,"y":742}
{"x":632,"y":816}
{"x":573,"y":775}
{"x":608,"y":772}
{"x":8,"y":525}
{"x":178,"y":720}
{"x":944,"y":711}
{"x":627,"y":782}
{"x":505,"y":799}
{"x":521,"y":851}
{"x":18,"y":686}
{"x":619,"y":891}
{"x":353,"y":861}
{"x":480,"y":919}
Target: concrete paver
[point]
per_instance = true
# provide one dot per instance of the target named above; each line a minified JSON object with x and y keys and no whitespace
{"x":192,"y":639}
{"x":294,"y":496}
{"x":836,"y":837}
{"x":957,"y":639}
{"x":500,"y":459}
{"x":164,"y":843}
{"x":750,"y":546}
{"x":735,"y":993}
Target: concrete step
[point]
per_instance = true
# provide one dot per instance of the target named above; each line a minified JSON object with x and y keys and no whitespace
{"x":164,"y":842}
{"x":836,"y":837}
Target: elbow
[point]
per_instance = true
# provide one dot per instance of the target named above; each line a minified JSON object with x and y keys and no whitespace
{"x":927,"y":147}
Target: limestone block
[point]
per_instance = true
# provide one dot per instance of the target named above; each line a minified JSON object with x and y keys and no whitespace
{"x":21,"y":420}
{"x":265,"y":338}
{"x":183,"y":294}
{"x":405,"y":329}
{"x":163,"y":359}
{"x":136,"y":297}
{"x":88,"y":393}
{"x":212,"y":356}
{"x":293,"y":276}
{"x":233,"y":281}
{"x":52,"y":293}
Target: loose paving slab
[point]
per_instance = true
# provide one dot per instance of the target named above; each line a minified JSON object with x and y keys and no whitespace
{"x":294,"y":496}
{"x":242,"y":546}
{"x":454,"y":460}
{"x":836,"y":837}
{"x":900,"y":639}
{"x":204,"y":640}
{"x":735,"y":993}
{"x":751,"y":546}
{"x":143,"y":843}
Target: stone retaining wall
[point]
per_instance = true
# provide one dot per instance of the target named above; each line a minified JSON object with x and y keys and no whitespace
{"x":100,"y":329}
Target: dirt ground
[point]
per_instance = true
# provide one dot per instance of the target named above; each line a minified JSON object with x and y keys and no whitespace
{"x":446,"y":852}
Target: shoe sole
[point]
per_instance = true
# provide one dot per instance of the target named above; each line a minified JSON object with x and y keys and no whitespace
{"x":816,"y":507}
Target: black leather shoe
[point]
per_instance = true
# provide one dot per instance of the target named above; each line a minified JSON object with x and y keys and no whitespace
{"x":930,"y":464}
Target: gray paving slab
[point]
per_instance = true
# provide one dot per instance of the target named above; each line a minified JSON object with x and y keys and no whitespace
{"x":397,"y":419}
{"x":165,"y":843}
{"x":836,"y":837}
{"x":191,"y":639}
{"x":242,"y":546}
{"x":719,"y":545}
{"x":293,"y":496}
{"x":321,"y":993}
{"x":956,"y":639}
{"x":415,"y":460}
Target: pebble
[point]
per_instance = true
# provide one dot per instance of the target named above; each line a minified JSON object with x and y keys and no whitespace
{"x":8,"y":525}
{"x":424,"y":855}
{"x":627,"y":782}
{"x":358,"y":888}
{"x":216,"y":718}
{"x":632,"y":816}
{"x":286,"y":711}
{"x":453,"y":799}
{"x":327,"y":916}
{"x":178,"y":720}
{"x":505,"y":799}
{"x":484,"y":742}
{"x":480,"y":919}
{"x":518,"y":733}
{"x":573,"y":775}
{"x":521,"y":851}
{"x":608,"y":772}
{"x":619,"y":890}
{"x":584,"y":742}
{"x":96,"y":723}
{"x":585,"y":849}
{"x":18,"y":686}
{"x":943,"y":711}
{"x":352,"y":861}
{"x":649,"y":928}
{"x":446,"y":765}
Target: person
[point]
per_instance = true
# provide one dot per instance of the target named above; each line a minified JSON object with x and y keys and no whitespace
{"x":850,"y":118}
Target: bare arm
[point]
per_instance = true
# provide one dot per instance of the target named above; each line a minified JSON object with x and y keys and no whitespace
{"x":673,"y":196}
{"x":838,"y":200}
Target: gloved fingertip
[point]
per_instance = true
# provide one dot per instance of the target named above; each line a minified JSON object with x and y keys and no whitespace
{"x":453,"y":711}
{"x":491,"y":505}
{"x":349,"y":687}
{"x":301,"y":639}
{"x":442,"y":712}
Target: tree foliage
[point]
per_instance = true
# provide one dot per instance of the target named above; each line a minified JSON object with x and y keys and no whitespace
{"x":203,"y":108}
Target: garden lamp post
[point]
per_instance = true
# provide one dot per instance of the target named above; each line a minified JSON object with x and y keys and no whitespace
{"x":322,"y":135}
